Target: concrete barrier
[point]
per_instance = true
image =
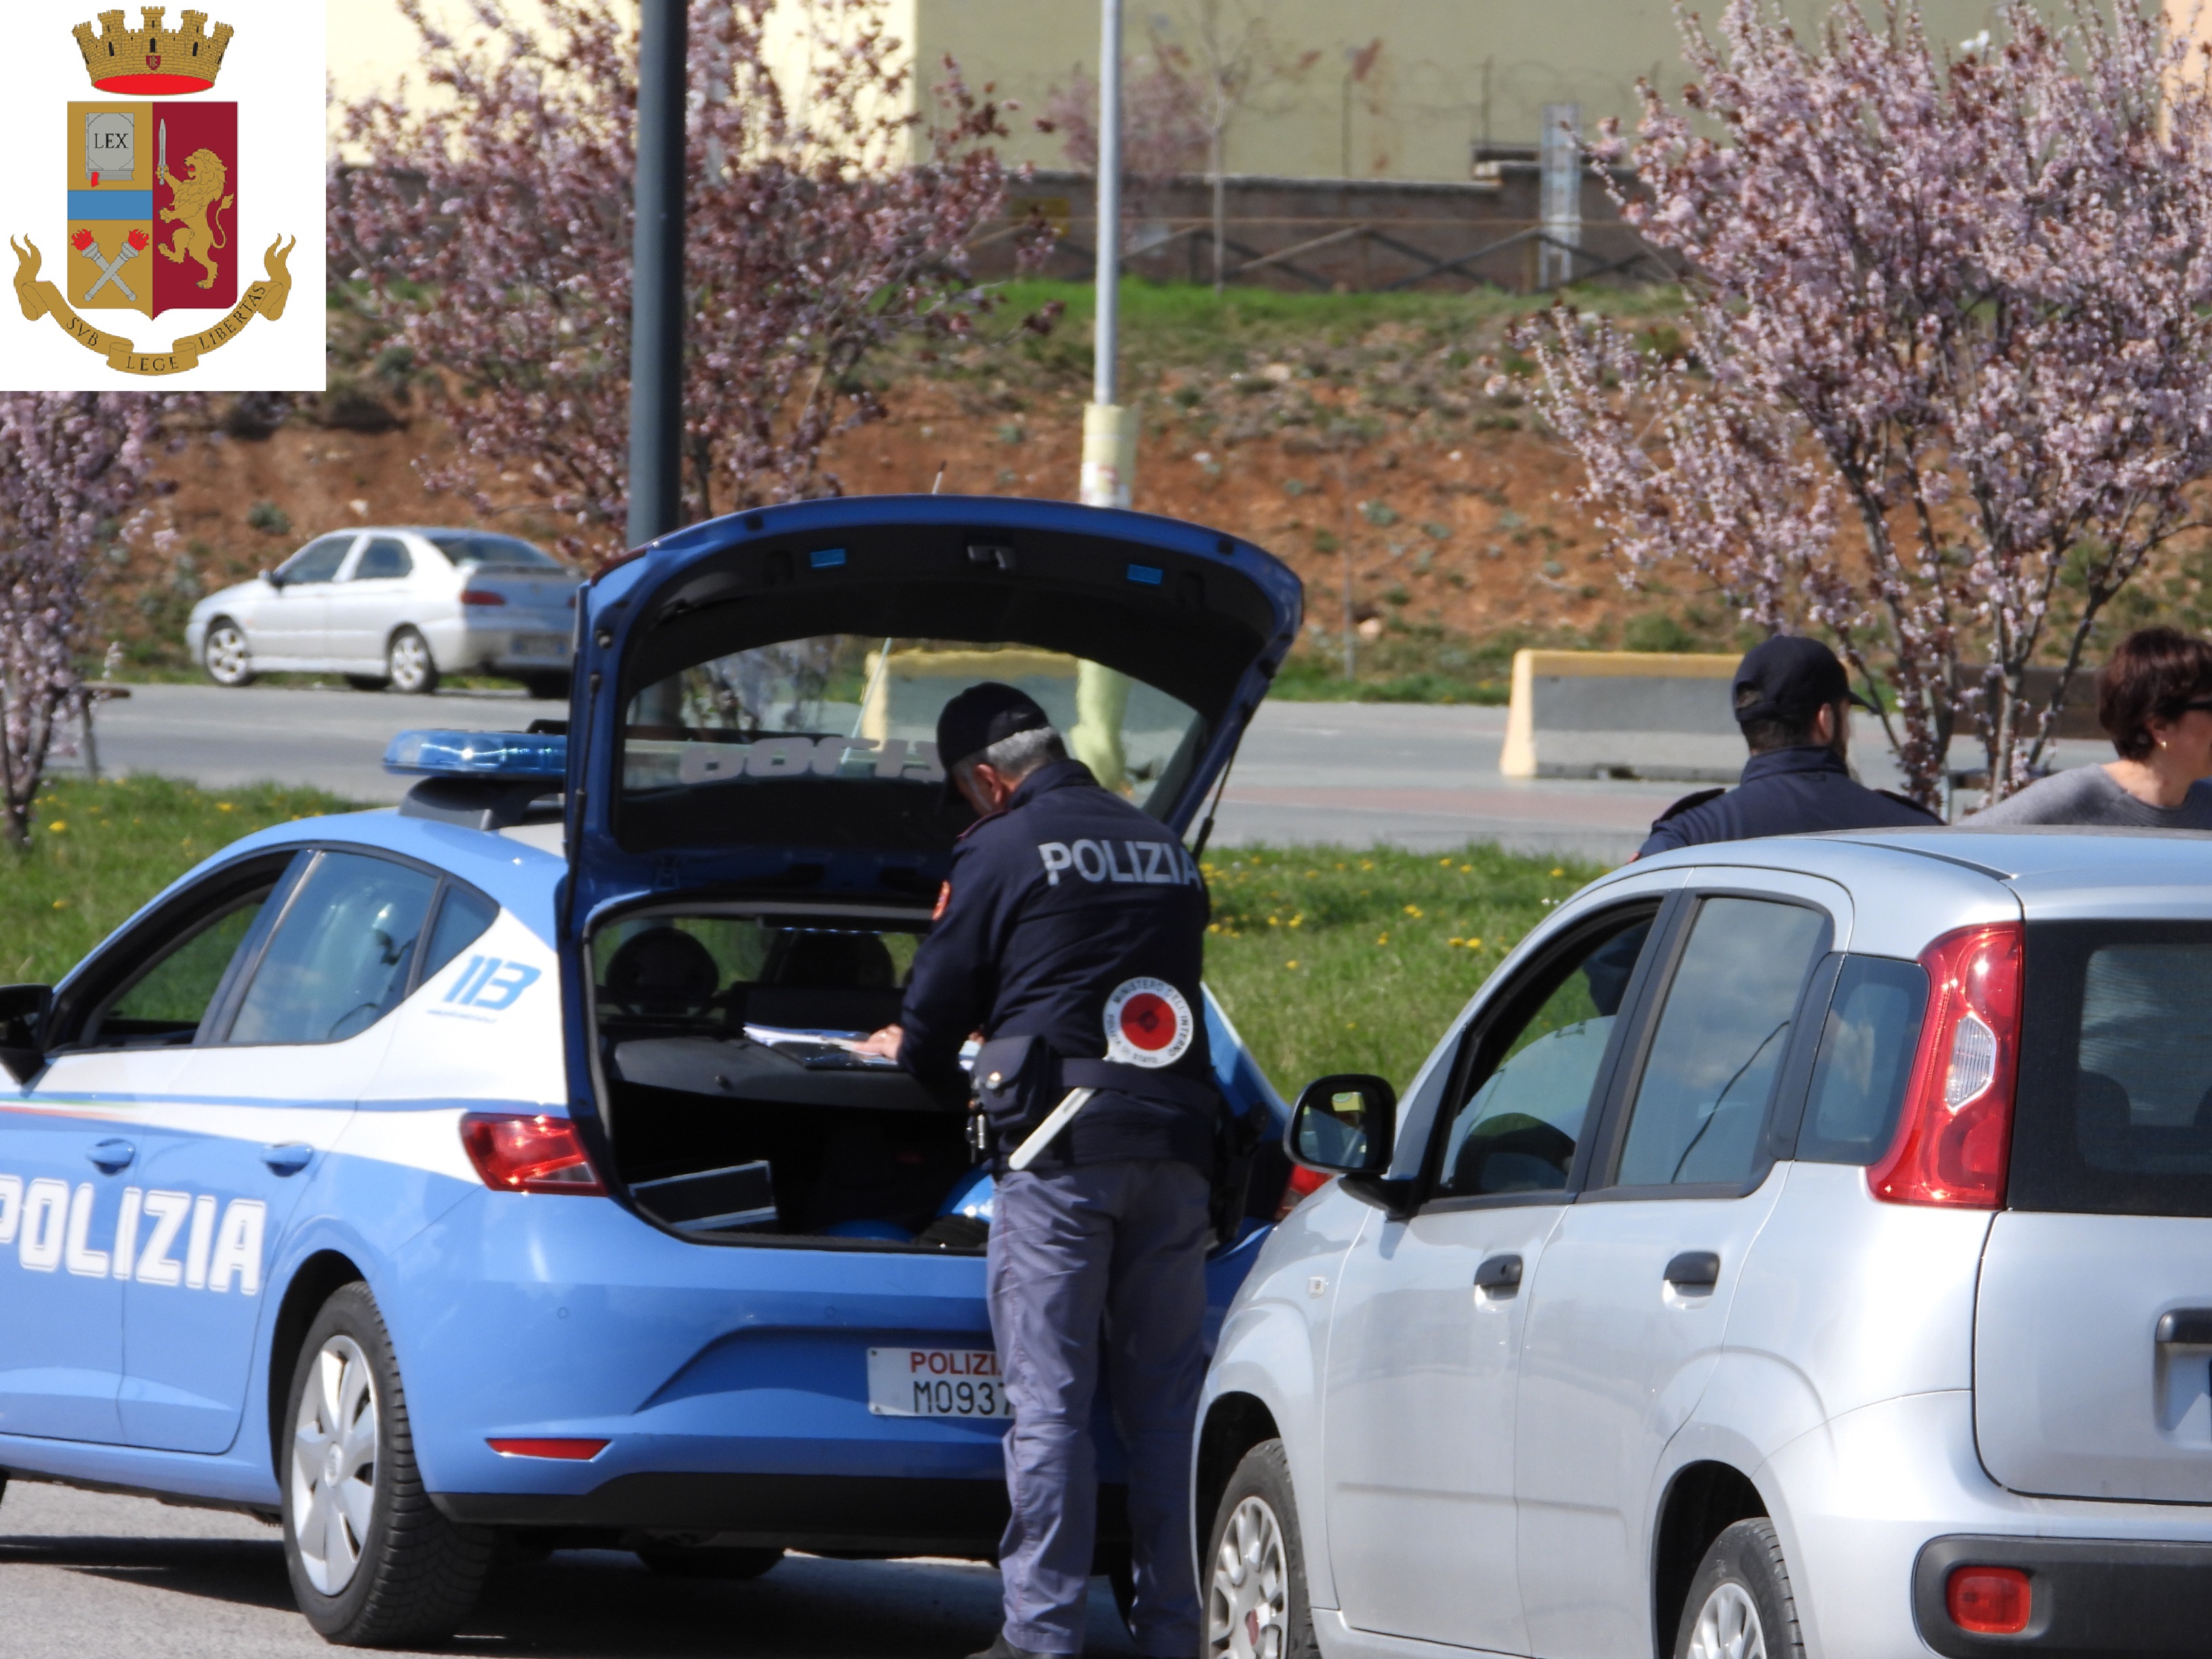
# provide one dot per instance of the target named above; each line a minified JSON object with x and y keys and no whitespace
{"x":1622,"y":715}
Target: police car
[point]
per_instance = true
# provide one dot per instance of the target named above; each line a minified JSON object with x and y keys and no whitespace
{"x":500,"y":1166}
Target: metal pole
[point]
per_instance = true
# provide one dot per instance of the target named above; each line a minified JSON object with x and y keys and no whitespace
{"x":1109,"y":431}
{"x":656,"y":336}
{"x":1108,"y":340}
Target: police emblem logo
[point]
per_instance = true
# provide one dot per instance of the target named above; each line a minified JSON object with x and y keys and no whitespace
{"x":1148,"y":1023}
{"x":152,"y":196}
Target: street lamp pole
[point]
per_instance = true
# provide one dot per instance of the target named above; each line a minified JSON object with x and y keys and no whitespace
{"x":1110,"y":434}
{"x":1109,"y":431}
{"x":656,"y":333}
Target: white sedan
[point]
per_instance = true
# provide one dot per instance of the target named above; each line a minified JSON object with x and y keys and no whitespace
{"x":395,"y":607}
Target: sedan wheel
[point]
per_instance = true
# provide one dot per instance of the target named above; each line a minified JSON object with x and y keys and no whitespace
{"x":334,"y":1464}
{"x":225,"y":655}
{"x":373,"y":1562}
{"x":410,"y":666}
{"x":1255,"y":1594}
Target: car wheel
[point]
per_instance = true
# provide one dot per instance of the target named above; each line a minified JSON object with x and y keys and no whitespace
{"x":408,"y":662}
{"x":547,"y":688}
{"x":225,"y":654}
{"x":364,"y":682}
{"x":704,"y":1561}
{"x":373,"y":1562}
{"x":1740,"y":1606}
{"x":1255,"y":1592}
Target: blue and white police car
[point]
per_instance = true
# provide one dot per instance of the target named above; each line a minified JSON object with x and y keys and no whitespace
{"x":500,"y":1166}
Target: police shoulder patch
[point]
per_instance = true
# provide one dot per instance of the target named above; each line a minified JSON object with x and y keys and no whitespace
{"x":1696,"y":798}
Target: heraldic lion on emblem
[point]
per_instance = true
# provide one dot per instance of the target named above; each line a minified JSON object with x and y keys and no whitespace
{"x":205,"y":178}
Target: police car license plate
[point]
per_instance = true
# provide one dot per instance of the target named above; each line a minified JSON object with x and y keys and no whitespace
{"x":541,"y":645}
{"x":936,"y":1382}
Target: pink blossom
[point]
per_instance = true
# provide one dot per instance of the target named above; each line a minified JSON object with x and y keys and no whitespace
{"x":1967,"y":302}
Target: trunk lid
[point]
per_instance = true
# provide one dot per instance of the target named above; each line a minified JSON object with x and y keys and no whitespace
{"x":756,"y":696}
{"x":2092,"y":1339}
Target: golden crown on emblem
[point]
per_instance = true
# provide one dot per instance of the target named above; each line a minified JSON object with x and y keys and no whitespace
{"x":153,"y":59}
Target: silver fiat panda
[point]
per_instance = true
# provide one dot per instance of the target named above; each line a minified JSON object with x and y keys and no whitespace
{"x":1799,"y":1246}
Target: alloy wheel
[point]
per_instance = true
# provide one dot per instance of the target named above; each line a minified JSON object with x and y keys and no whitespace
{"x":409,"y":659}
{"x":1247,"y":1603}
{"x":228,"y":662}
{"x":1728,"y":1627}
{"x":334,"y":1444}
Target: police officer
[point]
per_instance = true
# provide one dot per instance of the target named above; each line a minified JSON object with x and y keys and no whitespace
{"x":1793,"y":700}
{"x":1071,"y":935}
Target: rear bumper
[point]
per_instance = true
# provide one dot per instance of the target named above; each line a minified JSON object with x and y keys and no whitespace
{"x":866,"y":1514}
{"x":2088,"y":1596}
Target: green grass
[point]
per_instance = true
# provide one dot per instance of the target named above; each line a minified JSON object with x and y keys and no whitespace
{"x":100,"y":850}
{"x":1332,"y":960}
{"x":1328,"y":959}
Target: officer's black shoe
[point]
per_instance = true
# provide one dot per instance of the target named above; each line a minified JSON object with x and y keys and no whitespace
{"x":1002,"y":1649}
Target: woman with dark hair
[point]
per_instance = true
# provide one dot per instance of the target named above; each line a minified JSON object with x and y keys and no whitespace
{"x":2154,"y":701}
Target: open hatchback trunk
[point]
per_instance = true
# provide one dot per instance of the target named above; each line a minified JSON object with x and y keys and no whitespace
{"x":758,"y":821}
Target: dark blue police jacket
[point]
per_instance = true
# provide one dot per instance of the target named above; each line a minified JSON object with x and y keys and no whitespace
{"x":1053,"y":904}
{"x":1784,"y":792}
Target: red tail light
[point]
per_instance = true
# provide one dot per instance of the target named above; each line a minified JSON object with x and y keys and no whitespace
{"x":1989,"y":1600}
{"x":480,"y":595}
{"x":1954,"y":1137}
{"x":518,"y":1154}
{"x":1302,"y":1185}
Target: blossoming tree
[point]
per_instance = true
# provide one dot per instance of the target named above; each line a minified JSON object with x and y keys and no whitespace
{"x":1945,"y":379}
{"x":492,"y":229}
{"x":71,"y":464}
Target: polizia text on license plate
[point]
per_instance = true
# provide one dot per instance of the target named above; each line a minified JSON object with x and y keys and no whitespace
{"x":936,"y":1382}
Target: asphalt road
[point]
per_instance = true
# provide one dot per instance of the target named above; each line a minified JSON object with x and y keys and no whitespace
{"x":1357,"y":774}
{"x":91,"y":1576}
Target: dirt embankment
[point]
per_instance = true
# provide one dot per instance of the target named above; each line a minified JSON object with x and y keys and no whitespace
{"x":1456,"y":531}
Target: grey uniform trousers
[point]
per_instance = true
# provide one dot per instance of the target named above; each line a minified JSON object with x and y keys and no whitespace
{"x":1105,"y":1257}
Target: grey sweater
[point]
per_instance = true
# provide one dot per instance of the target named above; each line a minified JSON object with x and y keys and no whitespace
{"x":2087,"y":795}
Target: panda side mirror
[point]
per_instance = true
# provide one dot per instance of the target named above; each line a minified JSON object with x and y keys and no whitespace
{"x":1344,"y":1125}
{"x":23,"y":1012}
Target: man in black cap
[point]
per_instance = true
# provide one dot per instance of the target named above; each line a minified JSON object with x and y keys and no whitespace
{"x":1070,"y":934}
{"x":1794,"y":700}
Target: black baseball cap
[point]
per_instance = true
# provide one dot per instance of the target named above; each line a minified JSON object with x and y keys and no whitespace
{"x":981,"y":716}
{"x":1793,"y":676}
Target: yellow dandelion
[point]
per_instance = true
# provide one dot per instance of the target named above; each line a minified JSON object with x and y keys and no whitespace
{"x":1474,"y":944}
{"x":1366,"y":864}
{"x":1413,"y":910}
{"x":61,"y":905}
{"x":1298,"y":921}
{"x":1445,"y":862}
{"x":1274,"y":921}
{"x":1383,"y":938}
{"x":1352,"y":1026}
{"x":1559,"y":873}
{"x":59,"y":826}
{"x":1291,"y":965}
{"x":1467,"y":869}
{"x":1454,"y":941}
{"x":224,"y":806}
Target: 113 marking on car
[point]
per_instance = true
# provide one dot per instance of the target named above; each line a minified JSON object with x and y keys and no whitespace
{"x":489,"y":983}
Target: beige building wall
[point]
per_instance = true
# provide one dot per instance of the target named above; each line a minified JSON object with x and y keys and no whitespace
{"x":1438,"y":76}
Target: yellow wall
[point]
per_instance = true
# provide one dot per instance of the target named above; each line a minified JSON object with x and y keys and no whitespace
{"x":1448,"y":71}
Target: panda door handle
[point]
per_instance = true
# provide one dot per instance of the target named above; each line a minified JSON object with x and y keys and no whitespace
{"x":1694,"y":1270}
{"x":1500,"y":1275}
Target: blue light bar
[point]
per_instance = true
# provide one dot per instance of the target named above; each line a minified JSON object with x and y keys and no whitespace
{"x":521,"y":756}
